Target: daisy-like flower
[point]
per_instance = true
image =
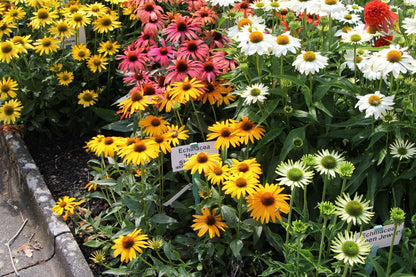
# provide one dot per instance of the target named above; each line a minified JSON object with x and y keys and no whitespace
{"x":78,"y":19}
{"x":249,"y":166}
{"x":163,"y":141}
{"x":377,"y":14}
{"x":358,"y":61}
{"x":106,"y":23}
{"x":331,"y":7}
{"x":182,"y":68}
{"x":225,"y":133}
{"x":208,"y":222}
{"x":255,"y":93}
{"x":327,"y":162}
{"x":140,"y":152}
{"x":205,"y":15}
{"x":267,"y":202}
{"x":309,"y":62}
{"x":132,"y":60}
{"x":202,"y":162}
{"x":242,"y":22}
{"x":61,"y":29}
{"x":301,"y":6}
{"x":195,"y":49}
{"x":8,"y":88}
{"x":95,"y":9}
{"x":371,"y":67}
{"x":46,"y":45}
{"x":285,"y":43}
{"x":162,"y":54}
{"x":153,"y":125}
{"x":402,"y":149}
{"x":396,"y":60}
{"x":350,"y":248}
{"x":155,"y":243}
{"x":375,"y":104}
{"x":148,"y":11}
{"x":136,"y":102}
{"x":10,"y":111}
{"x":129,"y":245}
{"x":8,"y":51}
{"x":218,"y":174}
{"x":22,"y":43}
{"x":108,"y":48}
{"x":221,"y":3}
{"x":42,"y":17}
{"x":409,"y":24}
{"x":98,"y":256}
{"x":65,"y":77}
{"x":347,"y":17}
{"x":14,"y":14}
{"x":356,"y":210}
{"x":95,"y":143}
{"x":87,"y":98}
{"x":209,"y":71}
{"x":106,"y":146}
{"x":97,"y":63}
{"x":294,"y":174}
{"x":181,"y":29}
{"x":186,"y":90}
{"x":249,"y":131}
{"x":67,"y":205}
{"x":358,"y":35}
{"x":6,"y":28}
{"x":241,"y":184}
{"x":255,"y":41}
{"x":177,"y":133}
{"x":80,"y":52}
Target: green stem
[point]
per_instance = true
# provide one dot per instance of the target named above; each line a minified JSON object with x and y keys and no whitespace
{"x":345,"y":270}
{"x":162,"y":181}
{"x":391,"y":251}
{"x":258,"y":66}
{"x":240,"y":207}
{"x":147,"y":263}
{"x":197,"y":118}
{"x":324,"y":188}
{"x":305,"y":203}
{"x":321,"y":246}
{"x":344,"y":182}
{"x":412,"y":261}
{"x":178,"y":116}
{"x":355,"y":62}
{"x":297,"y":255}
{"x":391,"y":84}
{"x":289,"y":218}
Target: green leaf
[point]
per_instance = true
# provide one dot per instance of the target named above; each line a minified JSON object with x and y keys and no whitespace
{"x":236,"y":246}
{"x":229,"y":216}
{"x":94,"y":243}
{"x":131,"y":203}
{"x":163,"y":219}
{"x":287,"y":145}
{"x":106,"y":114}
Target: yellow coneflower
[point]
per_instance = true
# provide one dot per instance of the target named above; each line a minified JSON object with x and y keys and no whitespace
{"x":65,"y":77}
{"x":22,"y":43}
{"x":225,"y":133}
{"x":92,"y":144}
{"x":154,"y":125}
{"x":87,"y":98}
{"x":46,"y":45}
{"x":212,"y":93}
{"x":140,"y":152}
{"x":106,"y":23}
{"x":8,"y":88}
{"x":14,"y":14}
{"x":202,"y":162}
{"x":108,"y":48}
{"x":67,"y":205}
{"x":168,"y":102}
{"x":218,"y":174}
{"x":95,"y":10}
{"x":128,"y":245}
{"x":163,"y":142}
{"x":136,"y":102}
{"x":177,"y":133}
{"x":61,"y":29}
{"x":10,"y":111}
{"x":42,"y":17}
{"x":186,"y":90}
{"x":98,"y":256}
{"x":80,"y":52}
{"x":78,"y":19}
{"x":8,"y":51}
{"x":56,"y":67}
{"x":240,"y":185}
{"x":250,"y":166}
{"x":97,"y":63}
{"x":208,"y":222}
{"x":6,"y":28}
{"x":267,"y":202}
{"x":249,"y":130}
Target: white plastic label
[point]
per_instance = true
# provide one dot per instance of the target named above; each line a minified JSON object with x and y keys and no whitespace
{"x":180,"y":154}
{"x":383,"y":237}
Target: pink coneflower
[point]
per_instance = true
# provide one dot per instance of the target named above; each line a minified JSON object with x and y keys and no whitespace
{"x":181,"y":68}
{"x":223,"y":62}
{"x":162,"y":54}
{"x":181,"y":29}
{"x":205,"y":15}
{"x":145,"y":40}
{"x":152,"y":91}
{"x":148,"y":11}
{"x":243,"y":6}
{"x":152,"y":27}
{"x":194,"y":5}
{"x":195,"y":49}
{"x":136,"y":78}
{"x":209,"y":71}
{"x":216,"y":39}
{"x":132,"y":60}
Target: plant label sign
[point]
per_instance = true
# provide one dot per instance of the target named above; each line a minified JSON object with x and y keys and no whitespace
{"x":180,"y":154}
{"x":383,"y":237}
{"x":69,"y":42}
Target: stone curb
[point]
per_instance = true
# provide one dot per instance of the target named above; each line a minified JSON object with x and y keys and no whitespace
{"x":31,"y":182}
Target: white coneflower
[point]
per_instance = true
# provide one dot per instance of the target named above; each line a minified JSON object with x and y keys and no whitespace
{"x":356,"y":36}
{"x":255,"y":93}
{"x":371,"y":67}
{"x":310,"y":62}
{"x":222,"y":3}
{"x":396,"y":60}
{"x":331,"y":7}
{"x":285,"y":43}
{"x":402,"y":149}
{"x":355,"y":8}
{"x":358,"y":60}
{"x":327,"y":162}
{"x":255,"y":41}
{"x":375,"y":104}
{"x":350,"y":248}
{"x":348,"y":17}
{"x":409,"y":24}
{"x":302,"y":6}
{"x":353,"y":210}
{"x":252,"y":20}
{"x":294,"y":174}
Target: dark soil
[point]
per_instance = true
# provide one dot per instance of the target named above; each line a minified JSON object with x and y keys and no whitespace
{"x":63,"y":163}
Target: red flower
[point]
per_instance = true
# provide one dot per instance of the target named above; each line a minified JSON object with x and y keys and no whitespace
{"x":383,"y":41}
{"x":378,"y":14}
